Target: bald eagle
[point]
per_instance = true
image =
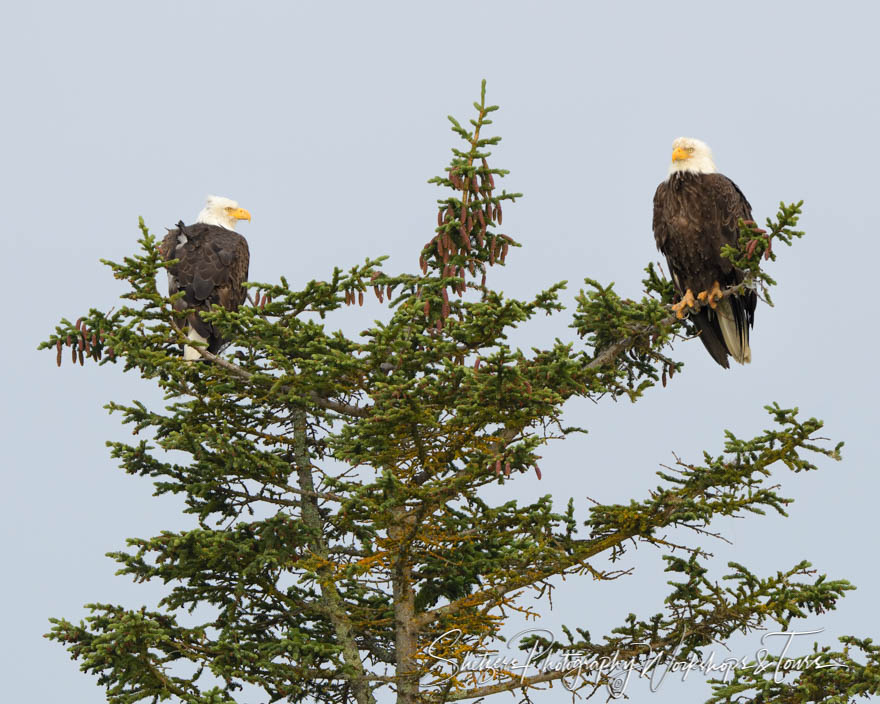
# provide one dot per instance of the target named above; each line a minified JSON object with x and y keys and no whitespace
{"x":696,"y":212}
{"x":212,"y":266}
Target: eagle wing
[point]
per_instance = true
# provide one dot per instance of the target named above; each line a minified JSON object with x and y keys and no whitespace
{"x":695,"y":215}
{"x":213,"y":265}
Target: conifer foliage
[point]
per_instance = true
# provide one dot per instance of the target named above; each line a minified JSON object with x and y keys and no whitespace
{"x":334,"y":482}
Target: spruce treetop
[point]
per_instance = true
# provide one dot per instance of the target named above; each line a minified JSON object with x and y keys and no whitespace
{"x":340,"y":531}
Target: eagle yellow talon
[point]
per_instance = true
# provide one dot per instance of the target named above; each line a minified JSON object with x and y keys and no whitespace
{"x":714,"y":295}
{"x":687,"y":301}
{"x":711,"y":296}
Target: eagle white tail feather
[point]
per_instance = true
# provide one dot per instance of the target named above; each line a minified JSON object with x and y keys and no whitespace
{"x":191,"y":354}
{"x":737,"y":345}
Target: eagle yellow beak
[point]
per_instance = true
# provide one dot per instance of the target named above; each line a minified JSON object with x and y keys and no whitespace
{"x":679,"y":154}
{"x":239,"y":214}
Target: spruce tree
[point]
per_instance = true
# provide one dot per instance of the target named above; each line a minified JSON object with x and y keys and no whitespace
{"x":343,"y":531}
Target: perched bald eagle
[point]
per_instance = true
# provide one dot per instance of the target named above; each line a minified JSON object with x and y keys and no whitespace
{"x":696,"y":212}
{"x":212,"y":268}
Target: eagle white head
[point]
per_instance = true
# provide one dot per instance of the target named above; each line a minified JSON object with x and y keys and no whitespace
{"x":223,"y":212}
{"x":692,"y":155}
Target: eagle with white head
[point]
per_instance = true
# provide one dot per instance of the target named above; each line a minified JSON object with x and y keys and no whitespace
{"x":696,"y":212}
{"x":212,"y":264}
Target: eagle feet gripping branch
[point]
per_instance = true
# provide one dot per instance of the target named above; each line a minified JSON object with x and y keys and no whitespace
{"x":687,"y":301}
{"x":712,"y":296}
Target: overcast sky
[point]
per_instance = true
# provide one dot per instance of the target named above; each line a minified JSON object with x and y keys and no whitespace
{"x":325,"y":121}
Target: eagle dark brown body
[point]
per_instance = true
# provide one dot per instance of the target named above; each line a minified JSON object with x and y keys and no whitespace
{"x":212,"y":268}
{"x":695,"y":214}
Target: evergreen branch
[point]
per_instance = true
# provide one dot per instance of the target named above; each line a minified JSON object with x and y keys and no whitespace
{"x":832,"y":677}
{"x":701,"y":615}
{"x":693,"y":499}
{"x":319,"y":400}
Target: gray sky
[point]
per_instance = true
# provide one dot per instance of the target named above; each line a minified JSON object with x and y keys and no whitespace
{"x":325,"y":121}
